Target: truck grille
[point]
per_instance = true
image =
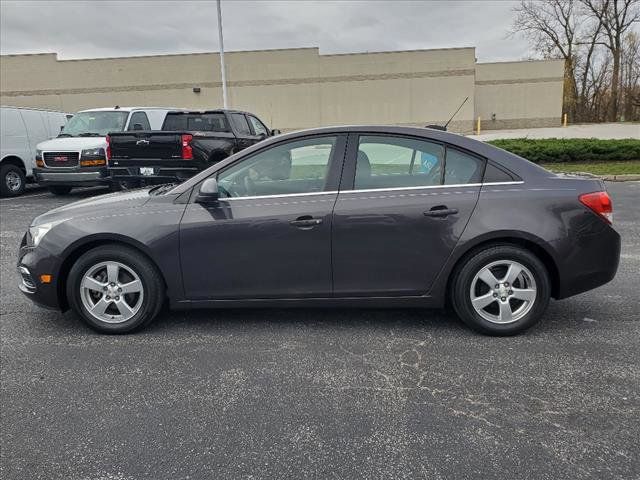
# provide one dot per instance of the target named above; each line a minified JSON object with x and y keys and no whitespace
{"x":60,"y":159}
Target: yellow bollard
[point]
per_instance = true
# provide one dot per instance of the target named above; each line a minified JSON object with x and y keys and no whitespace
{"x":478,"y":126}
{"x":564,"y":121}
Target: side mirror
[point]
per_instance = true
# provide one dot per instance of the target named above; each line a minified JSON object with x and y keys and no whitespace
{"x":275,"y":131}
{"x":208,"y":191}
{"x":137,"y":126}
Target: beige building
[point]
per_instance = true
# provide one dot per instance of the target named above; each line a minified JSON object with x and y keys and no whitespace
{"x":300,"y":88}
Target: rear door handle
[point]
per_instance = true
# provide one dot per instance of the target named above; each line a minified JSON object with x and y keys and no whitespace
{"x":441,"y":211}
{"x":305,"y":222}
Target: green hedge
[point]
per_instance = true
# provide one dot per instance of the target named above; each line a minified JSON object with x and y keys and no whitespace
{"x":554,"y":150}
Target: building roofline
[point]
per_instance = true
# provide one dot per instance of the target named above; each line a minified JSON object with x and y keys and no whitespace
{"x":232,"y":52}
{"x":541,"y":60}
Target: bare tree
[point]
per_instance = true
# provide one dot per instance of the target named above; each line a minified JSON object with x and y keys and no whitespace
{"x":616,"y":17}
{"x":630,"y":76}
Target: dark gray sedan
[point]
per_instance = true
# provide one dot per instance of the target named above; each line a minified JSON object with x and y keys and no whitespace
{"x":346,"y":216}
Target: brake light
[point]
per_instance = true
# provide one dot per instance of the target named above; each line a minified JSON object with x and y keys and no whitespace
{"x":600,"y":203}
{"x":108,"y":150}
{"x":187,"y":151}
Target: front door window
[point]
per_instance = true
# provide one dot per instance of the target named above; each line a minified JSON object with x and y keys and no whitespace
{"x":292,"y":168}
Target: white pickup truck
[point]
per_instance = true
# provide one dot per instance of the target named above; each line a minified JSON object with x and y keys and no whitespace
{"x":78,"y":156}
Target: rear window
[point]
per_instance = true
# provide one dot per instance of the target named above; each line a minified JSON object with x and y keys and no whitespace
{"x":196,"y":122}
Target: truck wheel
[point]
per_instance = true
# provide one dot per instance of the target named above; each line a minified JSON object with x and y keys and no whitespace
{"x":12,"y":181}
{"x":60,"y":189}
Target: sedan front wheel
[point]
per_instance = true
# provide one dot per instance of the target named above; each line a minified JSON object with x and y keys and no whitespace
{"x":115,"y":289}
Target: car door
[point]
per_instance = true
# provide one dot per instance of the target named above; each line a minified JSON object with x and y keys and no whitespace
{"x":403,"y":204}
{"x":269,"y":234}
{"x":242,"y":130}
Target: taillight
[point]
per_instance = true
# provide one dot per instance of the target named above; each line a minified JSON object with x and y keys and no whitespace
{"x":108,"y":150}
{"x":187,"y":151}
{"x":600,"y":203}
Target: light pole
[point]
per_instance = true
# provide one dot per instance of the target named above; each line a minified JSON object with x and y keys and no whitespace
{"x":222,"y":68}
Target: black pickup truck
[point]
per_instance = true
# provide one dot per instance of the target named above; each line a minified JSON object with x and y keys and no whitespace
{"x":188,"y":142}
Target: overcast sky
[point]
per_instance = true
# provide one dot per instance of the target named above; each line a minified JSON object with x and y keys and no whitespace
{"x":82,"y":29}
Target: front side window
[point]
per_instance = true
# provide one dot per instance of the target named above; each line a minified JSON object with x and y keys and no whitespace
{"x":290,"y":168}
{"x":258,"y":127}
{"x":97,"y":123}
{"x":391,"y":162}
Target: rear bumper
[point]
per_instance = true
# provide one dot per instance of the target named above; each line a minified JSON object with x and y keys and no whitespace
{"x":161,"y":173}
{"x":84,"y":177}
{"x":589,"y":261}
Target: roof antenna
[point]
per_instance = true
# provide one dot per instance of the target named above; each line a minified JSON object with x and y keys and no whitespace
{"x":444,"y":127}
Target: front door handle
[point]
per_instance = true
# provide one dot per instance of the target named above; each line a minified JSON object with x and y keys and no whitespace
{"x":305,"y":222}
{"x":441,"y":211}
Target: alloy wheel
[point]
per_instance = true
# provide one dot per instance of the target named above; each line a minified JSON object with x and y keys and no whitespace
{"x":111,"y":292}
{"x":503,"y":292}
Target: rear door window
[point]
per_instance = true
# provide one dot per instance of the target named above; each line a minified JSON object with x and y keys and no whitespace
{"x":396,"y":162}
{"x":241,"y":124}
{"x":462,"y":168}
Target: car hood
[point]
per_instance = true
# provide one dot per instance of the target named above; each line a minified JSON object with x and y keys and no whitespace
{"x":72,"y":144}
{"x":112,"y":202}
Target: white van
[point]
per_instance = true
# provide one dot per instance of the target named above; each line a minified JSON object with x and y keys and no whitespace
{"x":78,"y":156}
{"x":21,"y":129}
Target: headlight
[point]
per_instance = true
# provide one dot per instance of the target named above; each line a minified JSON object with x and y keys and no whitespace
{"x":37,"y":232}
{"x":38,"y":154}
{"x":93,"y":153}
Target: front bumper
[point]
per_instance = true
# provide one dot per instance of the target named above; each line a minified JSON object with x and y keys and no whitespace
{"x":32,"y":262}
{"x":79,"y":177}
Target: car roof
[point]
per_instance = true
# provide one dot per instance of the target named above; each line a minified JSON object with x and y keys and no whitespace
{"x":129,"y":109}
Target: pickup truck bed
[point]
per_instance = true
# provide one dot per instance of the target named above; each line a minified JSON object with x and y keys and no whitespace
{"x":161,"y":156}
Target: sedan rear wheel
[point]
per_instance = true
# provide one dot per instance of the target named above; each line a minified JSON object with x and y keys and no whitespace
{"x":115,"y":289}
{"x":501,"y":290}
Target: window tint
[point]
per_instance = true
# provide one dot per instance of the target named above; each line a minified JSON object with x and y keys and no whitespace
{"x":196,"y":122}
{"x":258,"y":127}
{"x":140,"y":118}
{"x":494,"y":174}
{"x":462,"y":168}
{"x":240,"y":122}
{"x":388,"y":162}
{"x":295,"y":167}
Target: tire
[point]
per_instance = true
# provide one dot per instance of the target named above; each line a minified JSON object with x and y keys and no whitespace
{"x":512,"y":307}
{"x":12,"y":180}
{"x":143,"y":302}
{"x":60,"y":189}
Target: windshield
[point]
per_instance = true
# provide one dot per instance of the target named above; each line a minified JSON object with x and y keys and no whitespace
{"x":95,"y":123}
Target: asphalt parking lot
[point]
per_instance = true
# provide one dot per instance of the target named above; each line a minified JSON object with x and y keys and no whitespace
{"x":322,"y":393}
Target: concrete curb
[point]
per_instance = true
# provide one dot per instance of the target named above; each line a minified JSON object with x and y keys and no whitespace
{"x":608,"y":178}
{"x":620,"y":178}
